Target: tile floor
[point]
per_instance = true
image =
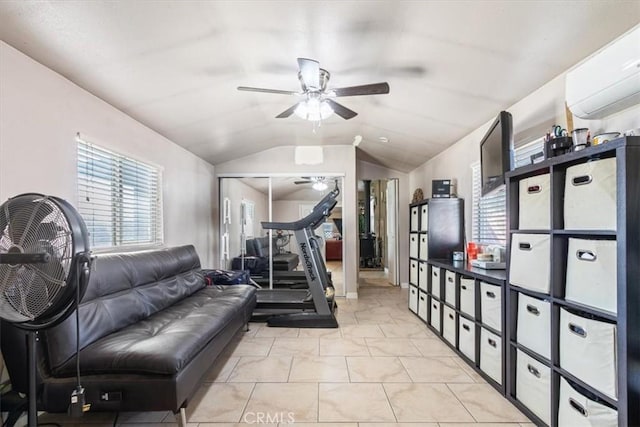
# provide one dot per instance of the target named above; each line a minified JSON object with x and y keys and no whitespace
{"x":381,"y":368}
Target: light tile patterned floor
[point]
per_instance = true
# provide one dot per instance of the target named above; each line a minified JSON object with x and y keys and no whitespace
{"x":381,"y":368}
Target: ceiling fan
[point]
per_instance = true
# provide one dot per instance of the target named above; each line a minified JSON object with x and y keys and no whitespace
{"x":317,"y":103}
{"x":318,"y":183}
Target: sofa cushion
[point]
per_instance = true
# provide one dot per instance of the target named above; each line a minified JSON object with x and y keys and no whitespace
{"x":167,"y":341}
{"x":123,"y":290}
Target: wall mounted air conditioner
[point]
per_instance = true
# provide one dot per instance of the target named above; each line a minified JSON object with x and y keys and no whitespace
{"x":607,"y":82}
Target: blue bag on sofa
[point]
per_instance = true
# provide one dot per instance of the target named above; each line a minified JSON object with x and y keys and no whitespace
{"x":226,"y":277}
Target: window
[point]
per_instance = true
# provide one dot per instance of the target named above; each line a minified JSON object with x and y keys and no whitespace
{"x":522,"y":156}
{"x":489,"y":213}
{"x":248,"y":214}
{"x":119,"y":198}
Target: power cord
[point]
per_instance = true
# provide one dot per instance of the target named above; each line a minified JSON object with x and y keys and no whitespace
{"x":78,"y":405}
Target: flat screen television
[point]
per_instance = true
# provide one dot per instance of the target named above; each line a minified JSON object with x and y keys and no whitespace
{"x":495,"y":153}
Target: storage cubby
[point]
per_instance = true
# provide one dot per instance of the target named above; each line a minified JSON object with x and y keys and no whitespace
{"x":578,"y":326}
{"x":455,"y":298}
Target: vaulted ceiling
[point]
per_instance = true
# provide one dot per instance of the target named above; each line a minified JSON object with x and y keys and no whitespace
{"x":175,"y":66}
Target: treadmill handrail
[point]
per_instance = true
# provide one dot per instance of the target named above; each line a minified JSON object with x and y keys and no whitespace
{"x":320,"y":211}
{"x":315,"y":218}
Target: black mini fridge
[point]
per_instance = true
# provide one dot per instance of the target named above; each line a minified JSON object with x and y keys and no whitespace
{"x":446,"y":227}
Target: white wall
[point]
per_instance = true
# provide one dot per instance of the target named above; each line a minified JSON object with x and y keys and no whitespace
{"x":366,"y":170}
{"x":40,"y":114}
{"x":338,"y":159}
{"x":237,"y":191}
{"x":532,"y":116}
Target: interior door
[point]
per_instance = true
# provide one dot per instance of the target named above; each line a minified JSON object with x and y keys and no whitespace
{"x":392,"y":231}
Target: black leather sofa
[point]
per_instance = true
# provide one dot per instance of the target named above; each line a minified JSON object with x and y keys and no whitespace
{"x":257,"y":259}
{"x":150,"y":331}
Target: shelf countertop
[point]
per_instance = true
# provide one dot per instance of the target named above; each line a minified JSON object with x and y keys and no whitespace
{"x":462,"y":267}
{"x":587,"y":153}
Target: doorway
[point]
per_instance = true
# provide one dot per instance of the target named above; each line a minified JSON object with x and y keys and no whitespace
{"x":378,"y":228}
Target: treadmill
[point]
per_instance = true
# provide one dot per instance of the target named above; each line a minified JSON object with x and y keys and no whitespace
{"x":303,"y":308}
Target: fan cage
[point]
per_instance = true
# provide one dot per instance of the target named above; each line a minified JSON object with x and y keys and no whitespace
{"x":34,"y":223}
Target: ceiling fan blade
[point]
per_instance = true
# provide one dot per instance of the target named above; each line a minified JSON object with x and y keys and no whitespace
{"x":341,"y":110}
{"x":259,"y":89}
{"x":289,"y":111}
{"x":372,"y":89}
{"x":310,"y":72}
{"x":302,"y":182}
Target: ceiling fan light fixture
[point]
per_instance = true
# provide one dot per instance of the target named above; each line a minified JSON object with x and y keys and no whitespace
{"x":319,"y":186}
{"x":314,"y":110}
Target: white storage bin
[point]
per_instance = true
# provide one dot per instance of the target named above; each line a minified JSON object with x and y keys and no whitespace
{"x":491,"y":355}
{"x":590,"y":196}
{"x":467,"y":337}
{"x":413,"y":299}
{"x":415,"y":218}
{"x":424,"y":247}
{"x":449,"y":324}
{"x":576,"y":410}
{"x":450,"y":287}
{"x":529,"y":266}
{"x":534,"y":325}
{"x":491,"y":305}
{"x":592,"y":273}
{"x":423,"y":277}
{"x":533,"y":386}
{"x":468,"y":296}
{"x":423,"y":305}
{"x":435,"y":308}
{"x":435,"y":282}
{"x":588,"y":351}
{"x":424,"y":217}
{"x":413,"y":272}
{"x":413,"y":245}
{"x":535,"y":203}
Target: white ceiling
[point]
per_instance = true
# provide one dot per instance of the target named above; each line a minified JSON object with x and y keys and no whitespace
{"x":175,"y":66}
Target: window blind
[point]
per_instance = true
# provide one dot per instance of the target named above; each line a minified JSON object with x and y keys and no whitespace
{"x":522,"y":153}
{"x":489,"y":213}
{"x":119,"y":198}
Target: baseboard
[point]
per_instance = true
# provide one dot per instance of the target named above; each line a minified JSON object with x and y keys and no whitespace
{"x":404,"y":285}
{"x":352,"y":295}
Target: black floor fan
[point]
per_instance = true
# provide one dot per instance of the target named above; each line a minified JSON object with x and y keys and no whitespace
{"x":44,"y":269}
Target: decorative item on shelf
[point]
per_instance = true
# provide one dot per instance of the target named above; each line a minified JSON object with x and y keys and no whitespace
{"x":580,"y":138}
{"x":538,"y":157}
{"x":557,"y":142}
{"x":490,"y":259}
{"x":558,"y":146}
{"x":484,"y":257}
{"x":472,"y":250}
{"x":418,"y":195}
{"x":443,"y":188}
{"x":605,"y":137}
